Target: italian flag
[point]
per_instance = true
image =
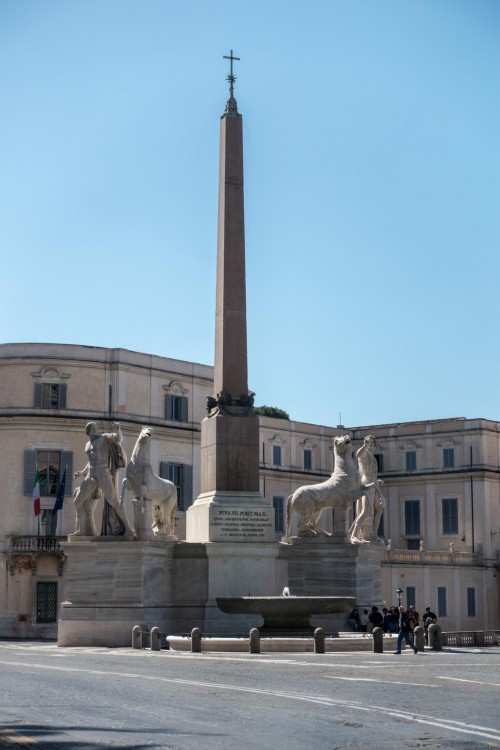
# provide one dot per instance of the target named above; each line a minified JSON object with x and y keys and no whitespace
{"x":36,"y":495}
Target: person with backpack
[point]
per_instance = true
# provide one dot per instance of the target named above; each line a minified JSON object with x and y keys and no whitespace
{"x":405,"y":633}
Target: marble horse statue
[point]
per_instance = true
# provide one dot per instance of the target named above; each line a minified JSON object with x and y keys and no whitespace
{"x":145,"y":485}
{"x":340,"y":490}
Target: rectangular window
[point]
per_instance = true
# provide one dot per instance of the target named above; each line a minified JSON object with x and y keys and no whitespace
{"x":441,"y":592}
{"x":49,"y":523}
{"x":471,"y":602}
{"x":412,"y":517}
{"x":49,"y":471}
{"x":411,"y":460}
{"x":276,"y":455}
{"x":50,"y":395}
{"x":307,"y":459}
{"x":51,"y":466}
{"x":279,"y":514}
{"x":379,"y":458}
{"x":182,"y":476}
{"x":176,"y":408}
{"x":448,"y":458}
{"x":413,"y":544}
{"x":46,"y":602}
{"x":450,"y":515}
{"x":411,"y":596}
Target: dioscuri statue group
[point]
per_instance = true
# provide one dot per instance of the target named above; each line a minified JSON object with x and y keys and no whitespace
{"x":354,"y":479}
{"x":100,"y":479}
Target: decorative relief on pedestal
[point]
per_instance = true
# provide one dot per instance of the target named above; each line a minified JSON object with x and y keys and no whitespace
{"x":229,"y":406}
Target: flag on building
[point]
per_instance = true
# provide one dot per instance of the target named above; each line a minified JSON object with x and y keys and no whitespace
{"x":36,"y":494}
{"x":60,"y":494}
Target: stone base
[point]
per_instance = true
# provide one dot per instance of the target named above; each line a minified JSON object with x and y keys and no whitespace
{"x":114,"y":584}
{"x":320,"y":567}
{"x":230,"y":517}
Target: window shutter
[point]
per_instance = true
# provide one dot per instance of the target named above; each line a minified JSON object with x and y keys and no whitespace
{"x":63,"y":388}
{"x":38,"y":395}
{"x":187,"y":486}
{"x":29,"y":471}
{"x":184,"y":409}
{"x":168,"y":407}
{"x":164,"y":470}
{"x":67,"y":461}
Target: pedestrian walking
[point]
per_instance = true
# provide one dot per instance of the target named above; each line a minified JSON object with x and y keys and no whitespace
{"x":405,"y":633}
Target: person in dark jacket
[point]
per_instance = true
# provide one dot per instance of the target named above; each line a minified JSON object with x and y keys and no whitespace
{"x":375,"y":617}
{"x":405,"y":633}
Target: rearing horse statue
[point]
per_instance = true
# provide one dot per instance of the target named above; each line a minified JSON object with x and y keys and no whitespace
{"x":146,"y":485}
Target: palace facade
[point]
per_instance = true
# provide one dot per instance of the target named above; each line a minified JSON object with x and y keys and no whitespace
{"x":441,"y":522}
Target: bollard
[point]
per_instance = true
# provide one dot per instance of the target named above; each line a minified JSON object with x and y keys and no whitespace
{"x":419,"y":638}
{"x":255,"y":641}
{"x":378,"y":640}
{"x":319,"y":641}
{"x":137,"y":636}
{"x":155,"y":639}
{"x":196,"y":641}
{"x":435,"y":640}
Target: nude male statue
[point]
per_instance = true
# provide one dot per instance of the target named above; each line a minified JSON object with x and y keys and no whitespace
{"x":370,"y":505}
{"x":105,"y":458}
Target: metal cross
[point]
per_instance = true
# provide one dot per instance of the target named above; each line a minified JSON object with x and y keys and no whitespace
{"x":231,"y":78}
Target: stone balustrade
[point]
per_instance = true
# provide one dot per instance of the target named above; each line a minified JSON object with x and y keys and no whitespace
{"x":36,"y":543}
{"x":471,"y":638}
{"x":437,"y":557}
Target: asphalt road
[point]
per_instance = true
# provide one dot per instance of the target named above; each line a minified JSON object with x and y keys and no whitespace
{"x":99,"y":698}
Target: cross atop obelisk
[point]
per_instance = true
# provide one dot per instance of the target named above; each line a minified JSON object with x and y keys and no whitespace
{"x":232,"y":105}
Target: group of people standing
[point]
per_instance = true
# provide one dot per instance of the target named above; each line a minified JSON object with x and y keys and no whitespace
{"x":393,"y":620}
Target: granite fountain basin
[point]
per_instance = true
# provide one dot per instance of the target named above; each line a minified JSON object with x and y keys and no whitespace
{"x":285,"y":614}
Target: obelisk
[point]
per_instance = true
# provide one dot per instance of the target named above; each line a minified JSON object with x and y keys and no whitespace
{"x":230,"y":507}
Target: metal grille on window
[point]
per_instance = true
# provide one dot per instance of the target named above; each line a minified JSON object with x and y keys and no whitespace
{"x":46,"y":602}
{"x":279,"y":515}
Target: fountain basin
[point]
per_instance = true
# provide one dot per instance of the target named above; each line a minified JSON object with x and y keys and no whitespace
{"x":285,"y":615}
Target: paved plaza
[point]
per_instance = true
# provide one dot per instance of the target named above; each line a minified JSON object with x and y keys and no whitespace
{"x":97,"y":697}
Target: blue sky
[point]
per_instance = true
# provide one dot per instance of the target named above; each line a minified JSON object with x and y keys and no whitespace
{"x":372,"y":170}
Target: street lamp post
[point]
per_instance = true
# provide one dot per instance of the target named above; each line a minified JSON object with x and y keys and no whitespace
{"x":399,"y":594}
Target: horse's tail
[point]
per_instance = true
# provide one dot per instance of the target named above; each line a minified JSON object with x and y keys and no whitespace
{"x":289,"y":516}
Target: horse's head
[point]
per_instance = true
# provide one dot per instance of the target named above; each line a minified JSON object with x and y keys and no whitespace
{"x":341,"y":445}
{"x":145,"y":435}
